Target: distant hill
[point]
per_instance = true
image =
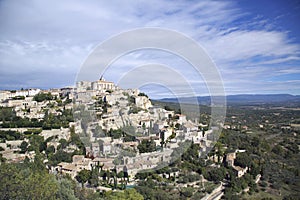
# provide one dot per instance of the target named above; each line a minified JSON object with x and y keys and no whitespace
{"x":243,"y":99}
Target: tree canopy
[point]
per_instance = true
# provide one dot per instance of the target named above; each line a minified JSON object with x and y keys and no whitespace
{"x":146,"y":146}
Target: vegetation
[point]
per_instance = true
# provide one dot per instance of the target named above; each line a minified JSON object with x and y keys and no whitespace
{"x":32,"y":181}
{"x":141,"y":94}
{"x":271,"y":151}
{"x":43,"y":97}
{"x":127,"y":194}
{"x":27,"y":181}
{"x":7,"y":114}
{"x":270,"y":144}
{"x":50,"y":121}
{"x":59,"y":156}
{"x":146,"y":146}
{"x":83,"y":176}
{"x":134,"y":109}
{"x":18,"y":98}
{"x":10,"y":135}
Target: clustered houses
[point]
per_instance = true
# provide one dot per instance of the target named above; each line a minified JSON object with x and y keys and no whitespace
{"x":17,"y":93}
{"x":79,"y":162}
{"x":116,"y":109}
{"x":103,"y":110}
{"x":23,"y":103}
{"x":230,"y":157}
{"x":11,"y":149}
{"x":25,"y":106}
{"x":229,"y":160}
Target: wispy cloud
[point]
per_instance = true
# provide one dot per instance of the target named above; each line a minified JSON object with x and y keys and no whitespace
{"x":41,"y":39}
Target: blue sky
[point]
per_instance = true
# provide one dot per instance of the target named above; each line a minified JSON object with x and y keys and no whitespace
{"x":254,"y":44}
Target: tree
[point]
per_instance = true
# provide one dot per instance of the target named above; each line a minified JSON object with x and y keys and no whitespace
{"x":66,"y":189}
{"x":11,"y":180}
{"x":7,"y":114}
{"x":128,"y":138}
{"x":40,"y":185}
{"x":146,"y":146}
{"x":83,"y":176}
{"x":50,"y":150}
{"x":187,"y":192}
{"x":168,"y":108}
{"x":42,"y":97}
{"x":162,"y":138}
{"x":10,"y":135}
{"x":215,"y":174}
{"x":94,"y":180}
{"x":192,"y":153}
{"x":243,"y":160}
{"x":121,"y":176}
{"x":255,"y":141}
{"x":133,"y":109}
{"x":220,"y":151}
{"x":60,"y":156}
{"x":63,"y":143}
{"x":129,"y":194}
{"x":178,"y":126}
{"x":277,"y":149}
{"x":142,"y":94}
{"x":36,"y":143}
{"x":115,"y":134}
{"x":29,"y":182}
{"x":23,"y":147}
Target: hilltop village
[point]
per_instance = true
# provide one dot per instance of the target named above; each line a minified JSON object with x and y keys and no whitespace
{"x":122,"y":122}
{"x":108,"y":126}
{"x":105,"y":139}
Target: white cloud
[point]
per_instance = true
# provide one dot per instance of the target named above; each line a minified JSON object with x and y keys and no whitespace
{"x":242,"y":45}
{"x":39,"y":39}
